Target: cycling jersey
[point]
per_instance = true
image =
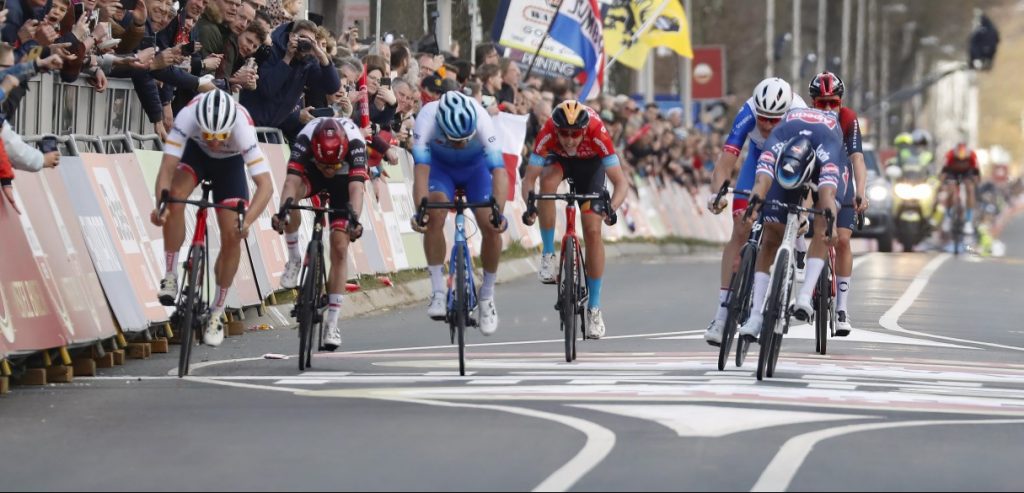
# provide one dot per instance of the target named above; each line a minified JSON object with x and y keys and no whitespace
{"x":354,"y":161}
{"x":242,"y":141}
{"x":744,"y":126}
{"x":854,"y":144}
{"x":468,"y":167}
{"x":958,"y":166}
{"x":596,"y":144}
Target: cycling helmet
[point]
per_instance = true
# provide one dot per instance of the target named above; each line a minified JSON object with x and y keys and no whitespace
{"x":772,"y":98}
{"x":922,"y":137}
{"x":329,"y":142}
{"x":796,"y":163}
{"x":903,"y":139}
{"x":216,"y":113}
{"x":826,"y":84}
{"x":570,"y":114}
{"x":962,"y":151}
{"x":456,"y":115}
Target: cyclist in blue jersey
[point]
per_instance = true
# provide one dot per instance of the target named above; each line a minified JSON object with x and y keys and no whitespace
{"x":806,"y":151}
{"x":455,"y":147}
{"x":772,"y":98}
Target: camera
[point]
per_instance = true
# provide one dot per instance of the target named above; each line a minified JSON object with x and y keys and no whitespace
{"x":305,"y":45}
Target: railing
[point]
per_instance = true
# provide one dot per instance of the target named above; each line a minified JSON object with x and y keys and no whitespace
{"x":58,"y":108}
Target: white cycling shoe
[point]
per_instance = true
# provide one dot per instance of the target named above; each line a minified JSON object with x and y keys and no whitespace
{"x":802,"y":309}
{"x":548,"y":273}
{"x":438,"y":308}
{"x":214,"y":334}
{"x":332,"y":339}
{"x":595,"y":324}
{"x":488,"y":317}
{"x":290,"y":278}
{"x":752,"y":329}
{"x":713,"y":335}
{"x":168,"y":289}
{"x":843,"y":325}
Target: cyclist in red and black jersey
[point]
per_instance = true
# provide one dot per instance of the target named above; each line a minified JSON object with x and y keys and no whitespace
{"x":575,"y":144}
{"x":962,"y":163}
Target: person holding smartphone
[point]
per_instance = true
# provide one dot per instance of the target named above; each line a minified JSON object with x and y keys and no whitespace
{"x":383,"y":102}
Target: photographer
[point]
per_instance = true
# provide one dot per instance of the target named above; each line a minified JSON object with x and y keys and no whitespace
{"x":383,"y":103}
{"x":296,"y":61}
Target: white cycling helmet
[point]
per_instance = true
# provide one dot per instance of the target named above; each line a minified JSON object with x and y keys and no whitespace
{"x":772,"y":98}
{"x":216,"y":113}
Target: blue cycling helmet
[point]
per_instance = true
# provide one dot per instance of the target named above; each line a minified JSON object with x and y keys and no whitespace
{"x":456,"y":115}
{"x":796,"y":163}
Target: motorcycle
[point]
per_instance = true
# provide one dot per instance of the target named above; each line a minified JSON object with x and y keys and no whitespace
{"x":913,"y":204}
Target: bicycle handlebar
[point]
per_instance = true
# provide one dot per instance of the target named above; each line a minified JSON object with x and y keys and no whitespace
{"x":758,"y":203}
{"x":722,"y":191}
{"x":604,"y":203}
{"x":860,"y":216}
{"x":289,"y":205}
{"x":165,"y":198}
{"x":458,"y":205}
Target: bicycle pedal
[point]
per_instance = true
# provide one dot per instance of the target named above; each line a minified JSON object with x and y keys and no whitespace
{"x":749,"y":339}
{"x":842,"y":332}
{"x":713,"y":343}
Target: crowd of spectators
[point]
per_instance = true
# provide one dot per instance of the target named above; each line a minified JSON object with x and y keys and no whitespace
{"x":286,"y":71}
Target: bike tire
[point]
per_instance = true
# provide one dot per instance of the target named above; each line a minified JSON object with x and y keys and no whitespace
{"x":306,"y":307}
{"x":569,"y":300}
{"x":822,"y":317}
{"x":191,"y":292}
{"x":770,"y":340}
{"x":739,"y":301}
{"x":958,"y":229}
{"x":784,"y":319}
{"x":461,"y":306}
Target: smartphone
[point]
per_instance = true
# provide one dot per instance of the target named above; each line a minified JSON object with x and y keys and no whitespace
{"x":129,"y":4}
{"x":48,"y":144}
{"x":325,"y":112}
{"x":188,"y":48}
{"x":147,"y":42}
{"x":79,"y":10}
{"x":385,"y":81}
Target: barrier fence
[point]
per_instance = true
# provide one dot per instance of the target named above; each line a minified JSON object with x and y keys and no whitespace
{"x":83,"y":261}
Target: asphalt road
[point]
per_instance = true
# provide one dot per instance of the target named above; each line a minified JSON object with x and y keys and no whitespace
{"x":926,"y":394}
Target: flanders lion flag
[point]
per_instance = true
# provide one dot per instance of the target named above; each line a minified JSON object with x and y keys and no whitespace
{"x":632,"y":28}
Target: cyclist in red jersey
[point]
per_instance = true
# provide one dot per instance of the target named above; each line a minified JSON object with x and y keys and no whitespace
{"x":826,"y":90}
{"x":575,"y":144}
{"x":962,"y":163}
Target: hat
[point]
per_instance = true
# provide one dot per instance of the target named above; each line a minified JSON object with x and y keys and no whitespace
{"x":433,"y":83}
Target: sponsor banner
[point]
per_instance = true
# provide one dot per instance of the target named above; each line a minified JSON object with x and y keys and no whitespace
{"x":521,"y":25}
{"x":68,"y":271}
{"x":708,"y":72}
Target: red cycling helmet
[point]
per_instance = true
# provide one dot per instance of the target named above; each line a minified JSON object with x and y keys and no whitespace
{"x":826,"y":84}
{"x":329,"y":143}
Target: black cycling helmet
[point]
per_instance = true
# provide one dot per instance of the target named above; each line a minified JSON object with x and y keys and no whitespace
{"x":795,"y":163}
{"x":826,"y":84}
{"x":570,"y":114}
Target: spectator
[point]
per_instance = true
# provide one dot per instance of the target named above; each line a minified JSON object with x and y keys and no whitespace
{"x":510,"y":79}
{"x":383,"y":102}
{"x":652,"y":113}
{"x":464,"y":71}
{"x":486,"y":53}
{"x":296,"y":61}
{"x":400,"y":57}
{"x":490,"y":76}
{"x":428,"y":64}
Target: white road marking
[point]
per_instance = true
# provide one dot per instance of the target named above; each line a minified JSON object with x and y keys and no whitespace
{"x":890,"y":320}
{"x":787,"y":462}
{"x":716,"y":421}
{"x":806,"y":332}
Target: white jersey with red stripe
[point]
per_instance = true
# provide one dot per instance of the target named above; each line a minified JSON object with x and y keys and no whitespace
{"x":241,"y":142}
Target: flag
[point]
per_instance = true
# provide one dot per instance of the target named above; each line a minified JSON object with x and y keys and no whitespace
{"x":511,"y":130}
{"x":658,"y":23}
{"x":578,"y":26}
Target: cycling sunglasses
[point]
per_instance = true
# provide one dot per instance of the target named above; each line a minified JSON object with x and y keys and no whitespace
{"x":570,"y":133}
{"x":765,"y":119}
{"x":827,"y":104}
{"x":219,"y":137}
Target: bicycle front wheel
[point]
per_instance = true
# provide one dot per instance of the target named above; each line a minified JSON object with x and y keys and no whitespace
{"x":569,"y":299}
{"x":738,"y":305}
{"x":461,"y":306}
{"x":771,"y":340}
{"x":189,"y":308}
{"x":821,"y":308}
{"x":306,"y":308}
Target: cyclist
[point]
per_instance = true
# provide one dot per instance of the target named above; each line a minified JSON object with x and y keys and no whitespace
{"x":575,"y":144}
{"x":328,"y":154}
{"x":772,"y":98}
{"x":804,"y":152}
{"x":962,"y":164}
{"x":213,"y":139}
{"x":455,"y":147}
{"x":826,"y":90}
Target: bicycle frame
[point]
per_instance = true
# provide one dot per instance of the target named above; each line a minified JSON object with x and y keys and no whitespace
{"x":461,"y":247}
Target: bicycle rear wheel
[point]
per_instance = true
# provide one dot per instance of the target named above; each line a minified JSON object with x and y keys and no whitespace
{"x":568,"y":299}
{"x":738,"y":305}
{"x":823,"y":299}
{"x":461,"y":306}
{"x":770,"y":340}
{"x":189,"y":308}
{"x":958,"y":228}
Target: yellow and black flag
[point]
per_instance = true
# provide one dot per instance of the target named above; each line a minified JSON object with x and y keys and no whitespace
{"x":633,"y":27}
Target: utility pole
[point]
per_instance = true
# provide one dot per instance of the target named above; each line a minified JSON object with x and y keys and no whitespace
{"x":687,"y":75}
{"x":444,"y":25}
{"x":769,"y":39}
{"x":859,"y":80}
{"x":822,"y":22}
{"x":845,"y":63}
{"x":797,"y":56}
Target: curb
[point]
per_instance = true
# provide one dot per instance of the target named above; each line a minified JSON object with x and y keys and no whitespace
{"x":415,"y":292}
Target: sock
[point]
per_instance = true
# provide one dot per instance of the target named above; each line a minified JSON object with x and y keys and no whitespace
{"x":172,"y":262}
{"x":293,"y":245}
{"x":814,"y":267}
{"x":594,"y":287}
{"x":844,"y":292}
{"x":219,"y":301}
{"x":723,"y":311}
{"x":437,"y":278}
{"x":487,"y":290}
{"x":548,"y":237}
{"x":333,"y":309}
{"x":761,"y":280}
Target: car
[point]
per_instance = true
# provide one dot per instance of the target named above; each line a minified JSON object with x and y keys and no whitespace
{"x":878,"y":224}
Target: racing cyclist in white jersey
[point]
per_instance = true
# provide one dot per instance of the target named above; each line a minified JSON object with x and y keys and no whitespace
{"x":213,"y":139}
